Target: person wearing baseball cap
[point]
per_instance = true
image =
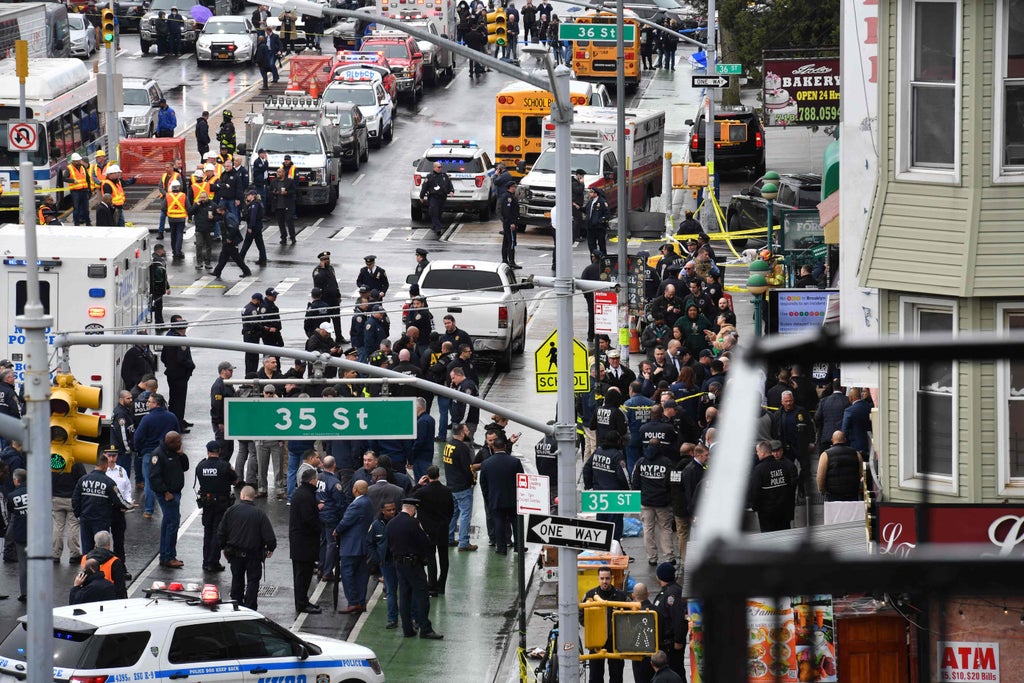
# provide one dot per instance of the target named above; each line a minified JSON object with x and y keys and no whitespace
{"x":317,"y":312}
{"x":509,"y":206}
{"x":271,"y":317}
{"x":252,"y":331}
{"x":322,"y":342}
{"x":218,"y":392}
{"x":214,"y":477}
{"x":373,"y":276}
{"x":252,"y":213}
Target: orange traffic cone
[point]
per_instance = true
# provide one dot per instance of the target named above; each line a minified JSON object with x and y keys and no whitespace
{"x":634,"y":338}
{"x":314,"y":89}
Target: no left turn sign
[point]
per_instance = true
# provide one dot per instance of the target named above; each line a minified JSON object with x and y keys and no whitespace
{"x":22,"y":137}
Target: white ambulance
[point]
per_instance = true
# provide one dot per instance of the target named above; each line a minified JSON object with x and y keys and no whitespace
{"x":91,"y":279}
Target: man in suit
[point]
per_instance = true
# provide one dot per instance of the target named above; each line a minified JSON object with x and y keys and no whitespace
{"x":351,"y":535}
{"x":617,"y":374}
{"x":436,"y":508}
{"x":498,"y":484}
{"x":304,"y":539}
{"x":857,"y":422}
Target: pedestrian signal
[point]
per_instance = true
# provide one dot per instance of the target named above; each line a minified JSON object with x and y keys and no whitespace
{"x":635,"y":632}
{"x":107,"y":26}
{"x":497,"y":27}
{"x":67,"y":423}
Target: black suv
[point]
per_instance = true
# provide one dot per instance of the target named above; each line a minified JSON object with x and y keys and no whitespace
{"x":749,"y":210}
{"x":739,"y":140}
{"x":352,"y":133}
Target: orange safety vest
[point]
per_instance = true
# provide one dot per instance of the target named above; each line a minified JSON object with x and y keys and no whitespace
{"x":176,"y":205}
{"x":115,"y":190}
{"x":198,"y":187}
{"x":107,"y":568}
{"x":290,"y":172}
{"x":79,"y":177}
{"x":40,"y":218}
{"x":167,"y":178}
{"x":99,"y":174}
{"x":218,"y":171}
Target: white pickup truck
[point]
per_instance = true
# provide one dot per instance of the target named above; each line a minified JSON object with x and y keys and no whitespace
{"x":486,"y":300}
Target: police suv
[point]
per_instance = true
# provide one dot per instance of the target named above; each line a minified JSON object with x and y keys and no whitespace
{"x":187,"y":636}
{"x":365,"y":89}
{"x":471,"y":172}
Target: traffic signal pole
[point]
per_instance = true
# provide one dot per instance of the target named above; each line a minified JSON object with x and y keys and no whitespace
{"x":113,"y":118}
{"x":707,"y":216}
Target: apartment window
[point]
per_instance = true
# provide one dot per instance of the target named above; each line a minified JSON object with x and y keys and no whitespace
{"x":1010,"y":399}
{"x":929,"y":126}
{"x":928,"y":401}
{"x":1010,"y":67}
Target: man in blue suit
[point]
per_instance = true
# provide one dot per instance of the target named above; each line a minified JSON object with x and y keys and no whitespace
{"x":351,"y":535}
{"x":498,"y":485}
{"x":857,"y":422}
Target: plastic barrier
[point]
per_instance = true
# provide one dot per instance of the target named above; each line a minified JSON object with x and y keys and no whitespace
{"x":307,"y":70}
{"x":144,"y":158}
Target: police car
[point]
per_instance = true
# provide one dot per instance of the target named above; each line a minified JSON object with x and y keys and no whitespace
{"x":471,"y":172}
{"x":187,"y":636}
{"x":364,"y":88}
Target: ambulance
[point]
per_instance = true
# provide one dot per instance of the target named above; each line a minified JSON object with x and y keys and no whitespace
{"x":91,"y":279}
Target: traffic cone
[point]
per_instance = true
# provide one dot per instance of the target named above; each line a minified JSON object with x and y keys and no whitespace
{"x":634,"y":337}
{"x":314,"y":89}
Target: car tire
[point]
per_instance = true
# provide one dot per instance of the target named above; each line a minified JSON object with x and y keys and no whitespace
{"x":734,"y":226}
{"x":379,"y":140}
{"x":520,"y":348}
{"x":416,"y":213}
{"x":354,"y":164}
{"x":149,"y":131}
{"x":364,"y":156}
{"x":504,"y":363}
{"x":389,"y":132}
{"x":434,"y":77}
{"x":484,"y":214}
{"x":144,"y":46}
{"x":760,"y":170}
{"x":332,"y":200}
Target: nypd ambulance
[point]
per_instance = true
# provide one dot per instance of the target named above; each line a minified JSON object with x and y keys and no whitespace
{"x":364,"y":87}
{"x":91,"y":279}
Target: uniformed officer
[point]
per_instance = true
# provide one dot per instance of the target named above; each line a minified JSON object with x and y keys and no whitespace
{"x":609,"y":418}
{"x":671,"y":609}
{"x":605,"y":590}
{"x":509,"y":205}
{"x":247,"y":537}
{"x":270,"y":319}
{"x":434,"y":192}
{"x":373,"y":276}
{"x":605,"y":470}
{"x":651,"y":477}
{"x":421,"y":262}
{"x":317,"y":312}
{"x":214,"y":478}
{"x":326,"y":279}
{"x":331,"y":499}
{"x":93,"y":502}
{"x":218,"y":392}
{"x":410,"y":546}
{"x":546,"y":454}
{"x":252,"y":330}
{"x":374,"y":332}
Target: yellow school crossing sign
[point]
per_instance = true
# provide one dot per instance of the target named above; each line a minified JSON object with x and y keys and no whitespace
{"x":545,"y":361}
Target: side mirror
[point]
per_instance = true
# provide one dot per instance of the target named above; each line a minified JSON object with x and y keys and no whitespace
{"x":242,"y":150}
{"x":521,"y":166}
{"x":418,"y":55}
{"x":411,"y":279}
{"x":338,"y":152}
{"x":688,"y":122}
{"x":609,"y":176}
{"x":415,"y":163}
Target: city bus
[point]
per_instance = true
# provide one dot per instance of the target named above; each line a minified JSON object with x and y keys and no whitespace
{"x":595,"y":60}
{"x":60,"y":97}
{"x":520,"y":109}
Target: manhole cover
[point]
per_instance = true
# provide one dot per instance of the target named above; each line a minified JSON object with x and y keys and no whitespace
{"x":267,"y":591}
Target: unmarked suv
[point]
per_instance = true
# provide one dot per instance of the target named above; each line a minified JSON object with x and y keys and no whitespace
{"x":749,"y":209}
{"x":739,"y":139}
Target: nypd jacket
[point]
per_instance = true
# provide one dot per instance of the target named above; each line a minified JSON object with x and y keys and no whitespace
{"x":95,"y":498}
{"x":651,"y":476}
{"x":606,"y":471}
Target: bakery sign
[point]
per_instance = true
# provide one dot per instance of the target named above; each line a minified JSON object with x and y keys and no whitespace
{"x":801,"y":92}
{"x":1000,"y":527}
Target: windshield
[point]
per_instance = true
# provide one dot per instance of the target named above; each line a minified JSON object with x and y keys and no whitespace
{"x":344,"y":119}
{"x":390,"y":50}
{"x":136,"y":96}
{"x":462,"y":279}
{"x":280,"y":142}
{"x":588,"y":162}
{"x":76,"y":22}
{"x":362,"y":96}
{"x":224,"y":26}
{"x":183,"y":6}
{"x":452,"y":165}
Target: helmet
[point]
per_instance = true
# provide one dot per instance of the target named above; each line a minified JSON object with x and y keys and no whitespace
{"x":209,"y":167}
{"x":175,"y":185}
{"x":228,"y":114}
{"x":197,"y":173}
{"x":114,"y":168}
{"x":100,"y":153}
{"x":76,"y":157}
{"x":766,"y":254}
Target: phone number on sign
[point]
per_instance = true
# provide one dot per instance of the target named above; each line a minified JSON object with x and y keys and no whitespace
{"x":969,"y":676}
{"x":809,"y":115}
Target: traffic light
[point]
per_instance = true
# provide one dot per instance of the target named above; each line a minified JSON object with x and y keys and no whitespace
{"x":67,"y":423}
{"x":107,"y":26}
{"x":497,"y":27}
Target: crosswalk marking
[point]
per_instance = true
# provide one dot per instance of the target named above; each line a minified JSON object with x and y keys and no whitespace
{"x":343,"y":233}
{"x":242,"y":286}
{"x":197,"y":286}
{"x":380,"y":235}
{"x":286,"y":284}
{"x":184,"y":56}
{"x":309,"y":232}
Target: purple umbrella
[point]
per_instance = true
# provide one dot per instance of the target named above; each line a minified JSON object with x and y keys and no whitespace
{"x":200,"y":13}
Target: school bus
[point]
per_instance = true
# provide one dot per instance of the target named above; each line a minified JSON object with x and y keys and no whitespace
{"x":595,"y":60}
{"x":520,"y":109}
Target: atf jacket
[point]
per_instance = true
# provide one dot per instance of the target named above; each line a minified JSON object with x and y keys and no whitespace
{"x":651,"y":476}
{"x":246,"y":528}
{"x":331,"y":494}
{"x":218,"y":392}
{"x":95,"y":498}
{"x":167,"y":470}
{"x":606,"y":471}
{"x":458,"y":459}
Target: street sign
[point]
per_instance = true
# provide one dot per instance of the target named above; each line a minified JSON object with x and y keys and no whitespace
{"x":22,"y":137}
{"x":316,"y":418}
{"x":596,"y":32}
{"x":729,"y":69}
{"x":533,"y":494}
{"x":545,"y":362}
{"x":566,"y":532}
{"x":708,"y":81}
{"x":626,"y":502}
{"x":606,"y":313}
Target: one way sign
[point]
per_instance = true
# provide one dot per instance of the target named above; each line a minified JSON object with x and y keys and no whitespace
{"x":566,"y":532}
{"x":709,"y":81}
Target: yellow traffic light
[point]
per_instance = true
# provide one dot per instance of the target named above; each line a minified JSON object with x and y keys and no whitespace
{"x":67,"y":423}
{"x":107,"y":27}
{"x":595,"y":627}
{"x":497,"y":27}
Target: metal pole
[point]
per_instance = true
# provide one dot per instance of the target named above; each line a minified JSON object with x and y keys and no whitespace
{"x":707,"y":216}
{"x":113,"y":124}
{"x":771,"y":221}
{"x":565,"y":430}
{"x":758,"y":298}
{"x":521,"y":571}
{"x":622,"y":181}
{"x":666,"y":194}
{"x":37,"y":416}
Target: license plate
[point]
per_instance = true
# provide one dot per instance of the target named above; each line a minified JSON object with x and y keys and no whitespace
{"x":222,"y":55}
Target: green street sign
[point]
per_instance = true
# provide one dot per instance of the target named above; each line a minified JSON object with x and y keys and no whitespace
{"x":610,"y":501}
{"x":729,"y":69}
{"x":596,"y":32}
{"x":320,"y":418}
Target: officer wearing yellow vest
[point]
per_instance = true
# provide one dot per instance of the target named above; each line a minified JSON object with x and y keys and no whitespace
{"x":78,"y":180}
{"x":175,"y":208}
{"x":47,"y":214}
{"x":197,"y":184}
{"x":98,"y":170}
{"x":169,"y":176}
{"x":114,"y":186}
{"x":288,"y":166}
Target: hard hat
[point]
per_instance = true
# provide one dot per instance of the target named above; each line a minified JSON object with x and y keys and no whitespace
{"x":209,"y":167}
{"x":211,"y":155}
{"x":100,"y":153}
{"x":114,"y":168}
{"x":175,"y":185}
{"x":197,"y":173}
{"x":227,"y":113}
{"x":76,"y":157}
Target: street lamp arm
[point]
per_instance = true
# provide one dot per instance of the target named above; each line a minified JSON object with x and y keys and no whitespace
{"x":645,"y":22}
{"x":580,"y":284}
{"x":12,"y":428}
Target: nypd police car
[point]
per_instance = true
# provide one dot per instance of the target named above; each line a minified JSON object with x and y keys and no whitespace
{"x":185,"y":637}
{"x":470,"y":170}
{"x":364,"y":88}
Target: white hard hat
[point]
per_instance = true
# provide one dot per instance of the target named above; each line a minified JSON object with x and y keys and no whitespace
{"x":76,"y":157}
{"x":209,"y":167}
{"x":197,"y":173}
{"x":175,"y":185}
{"x":114,"y":168}
{"x":211,"y":155}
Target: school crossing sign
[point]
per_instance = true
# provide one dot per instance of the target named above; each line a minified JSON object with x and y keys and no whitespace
{"x":545,"y":360}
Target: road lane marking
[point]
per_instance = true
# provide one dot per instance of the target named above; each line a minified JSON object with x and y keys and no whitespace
{"x":358,"y":178}
{"x":242,"y":285}
{"x":197,"y":286}
{"x":378,"y":593}
{"x":185,"y":56}
{"x":286,"y":284}
{"x":306,"y":233}
{"x":380,"y":235}
{"x":343,"y":233}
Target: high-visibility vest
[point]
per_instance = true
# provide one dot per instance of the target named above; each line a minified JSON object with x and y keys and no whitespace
{"x":115,"y":190}
{"x":167,"y":178}
{"x":218,"y":171}
{"x":99,"y":173}
{"x":176,"y":205}
{"x":107,"y":568}
{"x":198,"y":187}
{"x":79,"y":177}
{"x":290,"y":171}
{"x":40,"y":216}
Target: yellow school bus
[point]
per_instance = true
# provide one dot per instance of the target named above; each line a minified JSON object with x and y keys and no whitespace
{"x":520,"y":109}
{"x":595,"y":60}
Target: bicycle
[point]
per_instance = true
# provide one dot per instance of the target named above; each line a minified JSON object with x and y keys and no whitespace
{"x":547,"y":670}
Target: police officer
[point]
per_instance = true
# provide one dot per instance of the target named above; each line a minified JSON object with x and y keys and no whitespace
{"x":772,"y":493}
{"x":317,"y":312}
{"x":608,"y":417}
{"x":270,"y":319}
{"x":605,"y":590}
{"x":326,"y":279}
{"x":410,"y":546}
{"x":373,"y":276}
{"x":579,"y":198}
{"x":421,"y":262}
{"x":331,"y":499}
{"x":122,"y":429}
{"x":651,"y":477}
{"x":357,"y":329}
{"x":247,"y":537}
{"x":659,"y":433}
{"x":509,"y":205}
{"x":434,"y":192}
{"x":252,"y":330}
{"x":671,"y":609}
{"x":218,"y":392}
{"x":374,"y":332}
{"x":93,"y":502}
{"x":159,"y":283}
{"x":606,"y":471}
{"x":214,"y":478}
{"x":546,"y":454}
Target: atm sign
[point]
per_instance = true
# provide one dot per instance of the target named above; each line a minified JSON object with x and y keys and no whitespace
{"x":968,"y":662}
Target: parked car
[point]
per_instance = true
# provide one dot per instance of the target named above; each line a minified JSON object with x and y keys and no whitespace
{"x":352,"y":133}
{"x":147,"y":31}
{"x":140,"y":106}
{"x":438,"y":61}
{"x":471,"y":173}
{"x":739,"y":139}
{"x":83,"y":36}
{"x":405,"y":57}
{"x":226,"y":39}
{"x":749,"y":210}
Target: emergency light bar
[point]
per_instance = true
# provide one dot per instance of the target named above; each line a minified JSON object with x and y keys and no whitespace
{"x":41,"y":263}
{"x":455,"y":143}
